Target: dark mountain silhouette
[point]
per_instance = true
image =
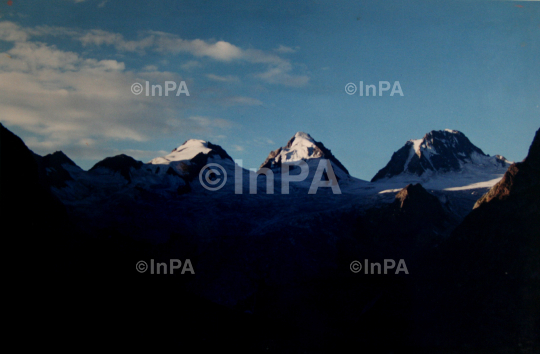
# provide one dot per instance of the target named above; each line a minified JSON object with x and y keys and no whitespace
{"x":499,"y":244}
{"x":31,"y":216}
{"x":120,"y":163}
{"x":51,"y":169}
{"x":481,"y":288}
{"x":80,"y":280}
{"x":416,"y":219}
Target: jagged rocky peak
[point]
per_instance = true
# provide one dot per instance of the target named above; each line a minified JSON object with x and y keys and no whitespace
{"x":438,"y":151}
{"x":301,"y":147}
{"x":533,"y":158}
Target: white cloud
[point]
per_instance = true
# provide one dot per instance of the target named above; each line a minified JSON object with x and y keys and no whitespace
{"x":26,"y":56}
{"x":285,"y":49}
{"x":169,"y":43}
{"x":69,"y":101}
{"x":192,"y":64}
{"x":11,"y":32}
{"x":280,"y":75}
{"x":242,"y":100}
{"x":228,"y":78}
{"x":100,"y":37}
{"x":94,"y":151}
{"x":204,"y":122}
{"x":82,"y":104}
{"x":261,"y":141}
{"x":150,"y":68}
{"x":278,"y":71}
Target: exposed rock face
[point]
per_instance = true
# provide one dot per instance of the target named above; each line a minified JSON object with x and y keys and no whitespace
{"x":414,"y":219}
{"x":300,"y":146}
{"x":520,"y":179}
{"x":271,"y":159}
{"x":491,"y":264}
{"x":190,"y":169}
{"x":120,"y":163}
{"x":218,"y":150}
{"x":414,"y":200}
{"x":437,"y":151}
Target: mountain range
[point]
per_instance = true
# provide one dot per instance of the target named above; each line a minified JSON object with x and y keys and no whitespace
{"x":466,"y":223}
{"x":440,"y":160}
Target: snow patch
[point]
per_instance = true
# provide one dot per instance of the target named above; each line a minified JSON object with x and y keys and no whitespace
{"x":186,"y":151}
{"x":417,"y":146}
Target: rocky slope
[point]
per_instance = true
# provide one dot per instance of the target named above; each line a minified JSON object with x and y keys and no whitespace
{"x":303,"y":147}
{"x":438,"y":152}
{"x":485,"y":290}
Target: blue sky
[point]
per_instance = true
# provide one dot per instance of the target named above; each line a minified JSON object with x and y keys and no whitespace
{"x":259,"y":71}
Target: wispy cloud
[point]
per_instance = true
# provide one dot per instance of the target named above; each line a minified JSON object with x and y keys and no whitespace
{"x":78,"y":103}
{"x":192,"y":64}
{"x":11,"y":32}
{"x":281,"y":75}
{"x":228,"y":78}
{"x":285,"y":49}
{"x":242,"y":100}
{"x":278,"y":70}
{"x":63,"y":98}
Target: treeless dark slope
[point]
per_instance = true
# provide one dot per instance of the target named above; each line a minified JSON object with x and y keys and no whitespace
{"x":495,"y":257}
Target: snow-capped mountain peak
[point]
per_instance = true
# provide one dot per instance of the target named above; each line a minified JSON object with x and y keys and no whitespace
{"x":300,"y":147}
{"x":439,"y":151}
{"x":302,"y":136}
{"x":188,"y":151}
{"x":187,"y":159}
{"x":303,"y":147}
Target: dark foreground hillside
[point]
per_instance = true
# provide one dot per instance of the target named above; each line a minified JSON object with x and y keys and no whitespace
{"x":473,"y":290}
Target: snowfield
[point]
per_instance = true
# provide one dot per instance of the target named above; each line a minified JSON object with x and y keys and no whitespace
{"x":167,"y":191}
